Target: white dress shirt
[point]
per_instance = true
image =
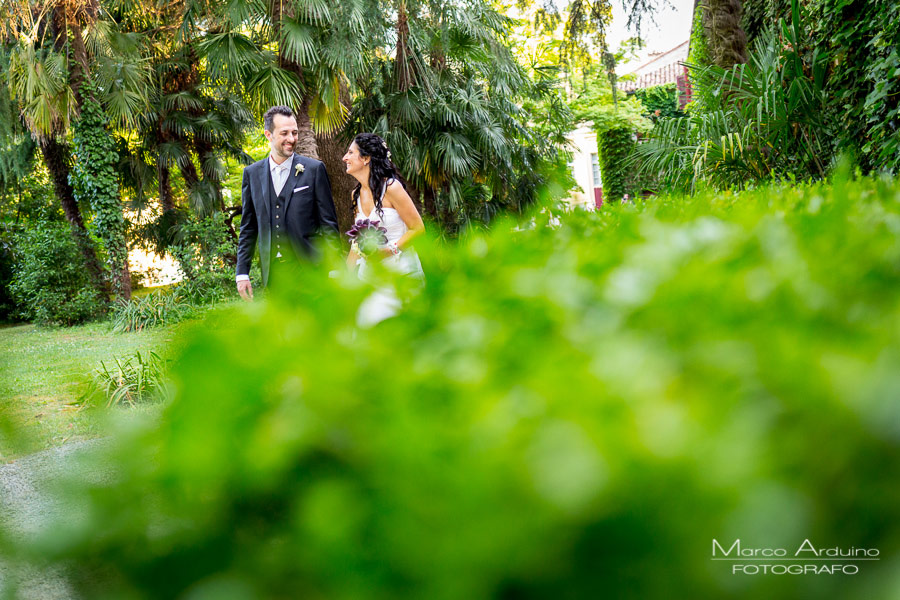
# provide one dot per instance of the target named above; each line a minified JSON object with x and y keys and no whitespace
{"x":279,"y":178}
{"x":279,"y":173}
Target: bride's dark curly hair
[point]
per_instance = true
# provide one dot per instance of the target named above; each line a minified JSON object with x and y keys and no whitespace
{"x":381,"y":170}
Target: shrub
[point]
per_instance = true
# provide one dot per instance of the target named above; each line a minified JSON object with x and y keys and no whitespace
{"x":659,"y":101}
{"x":562,"y":413}
{"x":207,"y":288}
{"x":7,"y":260}
{"x":133,"y":379}
{"x":204,"y":248}
{"x":50,"y":283}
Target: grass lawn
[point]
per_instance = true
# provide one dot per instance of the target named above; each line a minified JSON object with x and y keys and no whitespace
{"x":46,"y":375}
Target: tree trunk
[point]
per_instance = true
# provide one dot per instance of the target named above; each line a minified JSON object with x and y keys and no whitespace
{"x":331,"y":150}
{"x":430,"y":206}
{"x":55,"y":158}
{"x":188,"y":172}
{"x":403,"y":62}
{"x":122,"y":281}
{"x":726,"y":37}
{"x":166,"y":198}
{"x":79,"y":69}
{"x":76,"y":15}
{"x":306,"y":138}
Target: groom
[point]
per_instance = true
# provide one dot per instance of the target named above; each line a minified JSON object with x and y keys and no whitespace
{"x":286,"y":199}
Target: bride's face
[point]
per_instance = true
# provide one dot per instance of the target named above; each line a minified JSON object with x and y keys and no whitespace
{"x":355,"y":163}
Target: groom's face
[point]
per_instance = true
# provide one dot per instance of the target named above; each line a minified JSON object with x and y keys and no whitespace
{"x":283,"y":136}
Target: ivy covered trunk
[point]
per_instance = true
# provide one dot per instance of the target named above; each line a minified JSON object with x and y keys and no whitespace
{"x":56,"y":159}
{"x":94,"y":181}
{"x":614,"y":146}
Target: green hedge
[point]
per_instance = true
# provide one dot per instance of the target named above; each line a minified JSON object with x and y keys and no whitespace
{"x":569,"y":412}
{"x":615,"y":146}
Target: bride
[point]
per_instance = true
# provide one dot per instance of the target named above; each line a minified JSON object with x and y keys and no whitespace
{"x":380,"y":196}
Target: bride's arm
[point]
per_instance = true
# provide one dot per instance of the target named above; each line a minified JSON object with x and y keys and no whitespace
{"x":397,"y":198}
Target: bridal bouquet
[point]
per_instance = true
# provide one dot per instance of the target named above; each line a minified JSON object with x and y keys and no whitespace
{"x":366,"y":236}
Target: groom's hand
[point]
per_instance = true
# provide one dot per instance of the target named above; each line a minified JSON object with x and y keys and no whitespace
{"x":245,"y":290}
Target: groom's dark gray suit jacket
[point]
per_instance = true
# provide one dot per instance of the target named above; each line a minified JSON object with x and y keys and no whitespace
{"x":307,"y":209}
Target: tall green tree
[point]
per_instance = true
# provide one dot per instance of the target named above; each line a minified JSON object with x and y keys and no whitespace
{"x":448,"y":96}
{"x":174,"y":148}
{"x":39,"y":78}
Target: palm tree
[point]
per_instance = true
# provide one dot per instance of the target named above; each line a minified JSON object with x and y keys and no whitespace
{"x":188,"y":123}
{"x":753,"y":122}
{"x":39,"y":83}
{"x":449,"y":103}
{"x":300,"y":53}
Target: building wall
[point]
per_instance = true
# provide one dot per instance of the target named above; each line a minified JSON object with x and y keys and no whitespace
{"x":584,"y":149}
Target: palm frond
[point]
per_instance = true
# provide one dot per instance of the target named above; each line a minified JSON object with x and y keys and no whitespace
{"x":271,"y":85}
{"x":230,"y":55}
{"x":39,"y":82}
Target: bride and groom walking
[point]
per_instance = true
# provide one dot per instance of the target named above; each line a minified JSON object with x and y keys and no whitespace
{"x":287,"y":200}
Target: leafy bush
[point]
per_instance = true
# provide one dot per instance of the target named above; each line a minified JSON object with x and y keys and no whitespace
{"x":133,"y":379}
{"x":659,"y":101}
{"x":185,"y":300}
{"x":7,"y":261}
{"x":615,"y":123}
{"x":50,"y":284}
{"x":546,"y":420}
{"x":748,"y":124}
{"x":207,"y":288}
{"x":206,"y":252}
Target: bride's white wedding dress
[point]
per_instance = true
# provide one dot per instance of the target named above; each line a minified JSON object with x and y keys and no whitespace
{"x":384,"y":303}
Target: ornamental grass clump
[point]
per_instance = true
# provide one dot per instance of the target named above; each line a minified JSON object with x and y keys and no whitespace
{"x":560,"y":413}
{"x":132,"y":379}
{"x":162,"y":307}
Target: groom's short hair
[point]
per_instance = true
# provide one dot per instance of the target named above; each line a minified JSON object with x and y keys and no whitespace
{"x":269,"y":117}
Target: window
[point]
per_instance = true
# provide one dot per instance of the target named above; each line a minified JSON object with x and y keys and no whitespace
{"x":595,"y":167}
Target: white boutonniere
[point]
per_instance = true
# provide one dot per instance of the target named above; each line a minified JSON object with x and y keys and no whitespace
{"x":299,"y":168}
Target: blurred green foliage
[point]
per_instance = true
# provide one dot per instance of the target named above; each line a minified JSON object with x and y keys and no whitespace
{"x":563,"y":412}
